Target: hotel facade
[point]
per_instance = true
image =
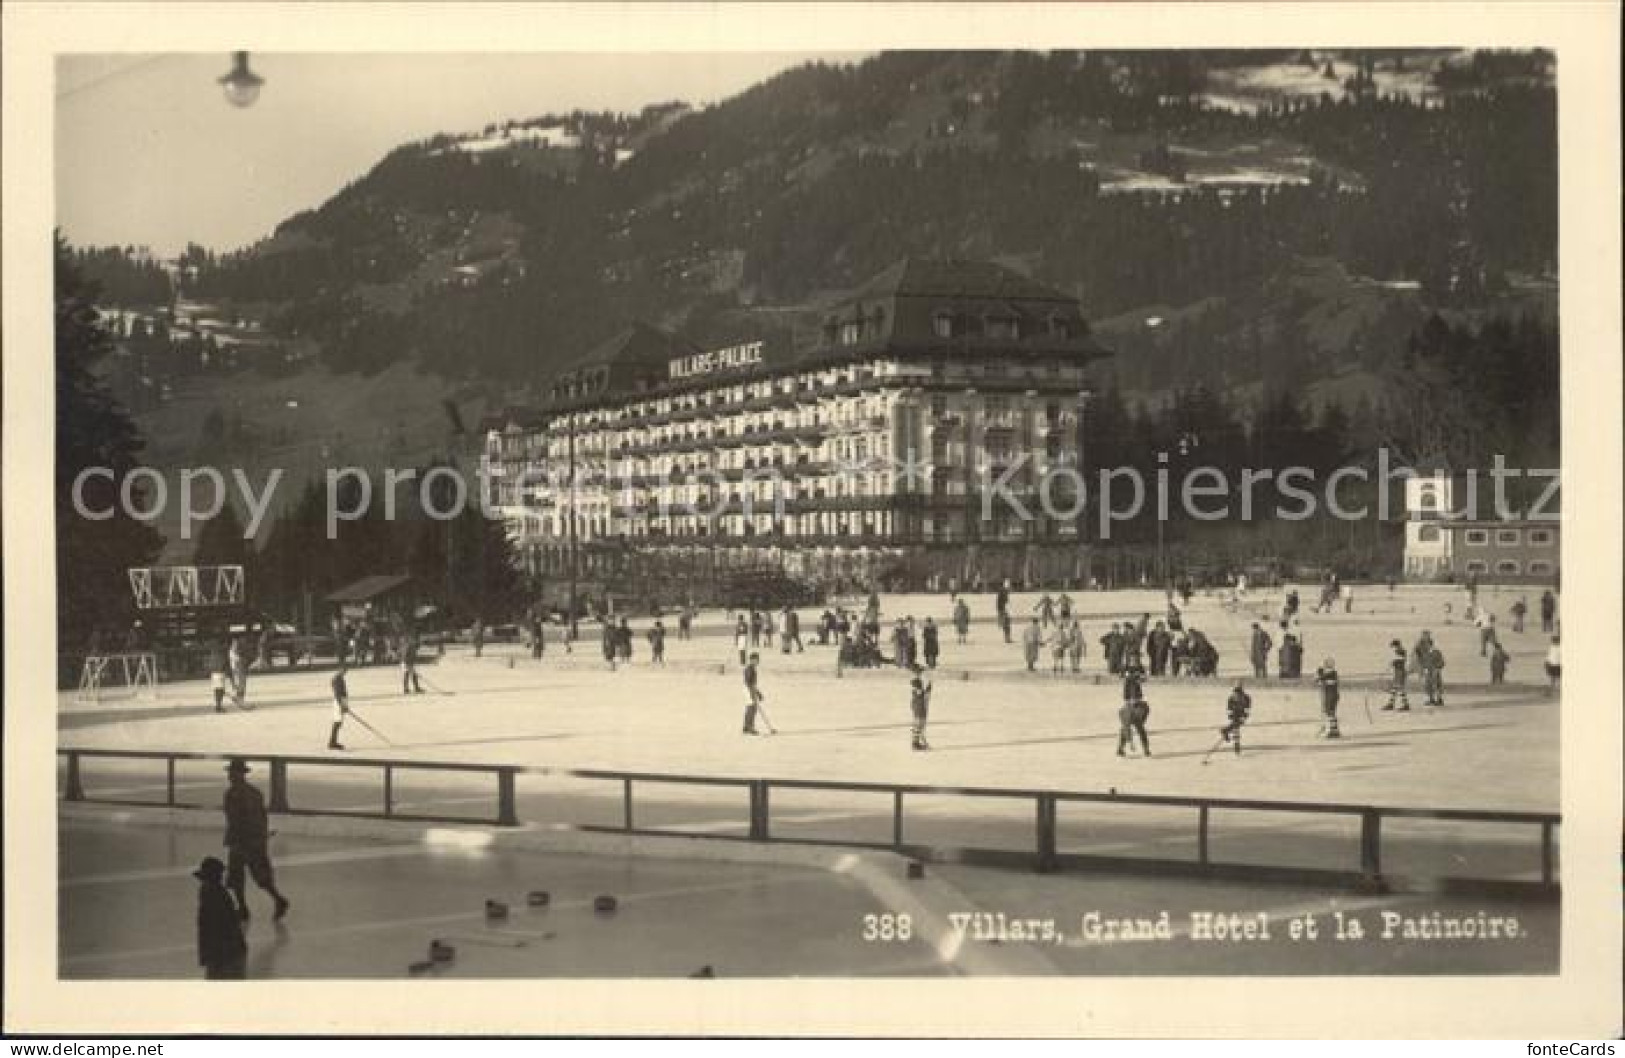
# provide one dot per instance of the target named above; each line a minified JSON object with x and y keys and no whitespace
{"x":868,"y":446}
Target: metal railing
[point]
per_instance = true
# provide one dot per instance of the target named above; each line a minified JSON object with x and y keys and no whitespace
{"x":1365,"y":870}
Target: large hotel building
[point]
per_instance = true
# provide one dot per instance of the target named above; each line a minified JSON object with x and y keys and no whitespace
{"x":871,"y":440}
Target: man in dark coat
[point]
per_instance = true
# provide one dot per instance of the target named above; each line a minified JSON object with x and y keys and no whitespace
{"x":930,"y":643}
{"x":1158,"y":641}
{"x":1131,"y":720}
{"x":221,"y":950}
{"x":1259,"y":651}
{"x":1548,"y":610}
{"x":247,"y":835}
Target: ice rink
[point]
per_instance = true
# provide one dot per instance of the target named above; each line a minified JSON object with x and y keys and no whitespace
{"x":993,"y":725}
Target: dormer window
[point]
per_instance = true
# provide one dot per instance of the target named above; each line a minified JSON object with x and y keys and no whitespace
{"x":851,"y":332}
{"x":1005,"y":328}
{"x":942,"y":324}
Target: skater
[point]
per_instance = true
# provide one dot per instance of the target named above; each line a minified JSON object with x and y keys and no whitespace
{"x":1498,"y":664}
{"x":623,"y":641}
{"x":741,"y":639}
{"x":753,"y":695}
{"x":1058,"y":644}
{"x":1004,"y":624}
{"x":919,"y":704}
{"x":930,"y":643}
{"x":217,"y":676}
{"x":341,"y":706}
{"x":1396,"y":685}
{"x":961,"y":622}
{"x":1074,"y":644}
{"x":607,"y":639}
{"x":1237,"y":707}
{"x":1326,"y":678}
{"x":1046,"y":610}
{"x":1131,"y":719}
{"x":1548,"y":610}
{"x":792,"y":631}
{"x":239,"y":673}
{"x":1519,"y":610}
{"x":1348,"y":598}
{"x":1554,"y":666}
{"x":657,"y":643}
{"x":1291,"y":658}
{"x":247,"y":833}
{"x":1433,"y":675}
{"x":1031,"y":639}
{"x":1001,"y":605}
{"x":1158,"y":642}
{"x":538,"y":637}
{"x":1133,"y":684}
{"x":1260,"y":651}
{"x":1063,"y":606}
{"x":478,"y":634}
{"x":1111,"y":648}
{"x":221,"y":950}
{"x":410,"y":684}
{"x":1486,"y":635}
{"x":685,"y":622}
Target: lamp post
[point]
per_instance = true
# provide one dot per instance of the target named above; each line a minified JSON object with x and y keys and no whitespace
{"x":1084,"y":397}
{"x":1184,"y":444}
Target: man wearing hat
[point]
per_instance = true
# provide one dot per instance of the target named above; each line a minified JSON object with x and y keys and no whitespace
{"x":919,"y":704}
{"x":220,"y":947}
{"x":247,"y":832}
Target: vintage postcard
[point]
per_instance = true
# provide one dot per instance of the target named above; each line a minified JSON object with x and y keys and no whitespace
{"x":928,"y":520}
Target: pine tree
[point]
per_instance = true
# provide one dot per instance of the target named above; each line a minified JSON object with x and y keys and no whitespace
{"x":92,"y":431}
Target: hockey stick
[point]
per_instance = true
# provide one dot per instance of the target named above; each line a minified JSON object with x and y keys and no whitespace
{"x":369,"y":727}
{"x":431,"y":685}
{"x":761,"y":710}
{"x":1214,"y":749}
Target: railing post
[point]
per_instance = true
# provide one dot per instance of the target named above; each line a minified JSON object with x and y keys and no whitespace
{"x":758,"y":810}
{"x":72,"y":788}
{"x":1046,"y":832}
{"x":279,"y":785}
{"x":169,"y":781}
{"x":1201,"y":835}
{"x":1371,"y":851}
{"x":1546,"y":871}
{"x":897,"y":819}
{"x":626,"y":805}
{"x":507,"y":815}
{"x":389,"y":791}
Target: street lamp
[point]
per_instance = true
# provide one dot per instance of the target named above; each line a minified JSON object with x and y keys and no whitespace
{"x":241,"y":85}
{"x":1186,"y":443}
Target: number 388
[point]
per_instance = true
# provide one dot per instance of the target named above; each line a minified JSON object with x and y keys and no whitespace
{"x":887,"y":927}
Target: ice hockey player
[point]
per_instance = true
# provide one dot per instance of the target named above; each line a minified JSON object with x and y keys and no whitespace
{"x":1030,"y":641}
{"x":341,"y":706}
{"x":754,"y":695}
{"x":1132,"y":718}
{"x":919,"y":704}
{"x":1433,"y":675}
{"x":1326,"y":678}
{"x":1259,"y":651}
{"x":1237,"y":707}
{"x":1396,"y":685}
{"x":1498,"y":664}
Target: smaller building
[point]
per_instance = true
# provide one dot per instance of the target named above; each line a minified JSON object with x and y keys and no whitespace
{"x":1505,"y":551}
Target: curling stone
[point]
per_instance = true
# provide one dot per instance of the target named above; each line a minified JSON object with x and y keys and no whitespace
{"x":916,"y":869}
{"x":605,"y":904}
{"x":418,"y":969}
{"x":495,"y":909}
{"x":704,"y":971}
{"x":440,"y":951}
{"x":538,"y":898}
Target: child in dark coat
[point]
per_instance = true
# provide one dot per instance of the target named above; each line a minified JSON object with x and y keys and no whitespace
{"x":220,"y":947}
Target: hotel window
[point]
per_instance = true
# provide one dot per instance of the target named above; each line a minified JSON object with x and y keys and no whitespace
{"x":1478,"y":566}
{"x":1428,"y":534}
{"x":942,"y":325}
{"x":1540,"y":568}
{"x":1427,"y":499}
{"x":1539,"y":538}
{"x":1059,"y":327}
{"x":1509,"y":566}
{"x":1507,"y":536}
{"x":851,"y":332}
{"x":1478,"y":538}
